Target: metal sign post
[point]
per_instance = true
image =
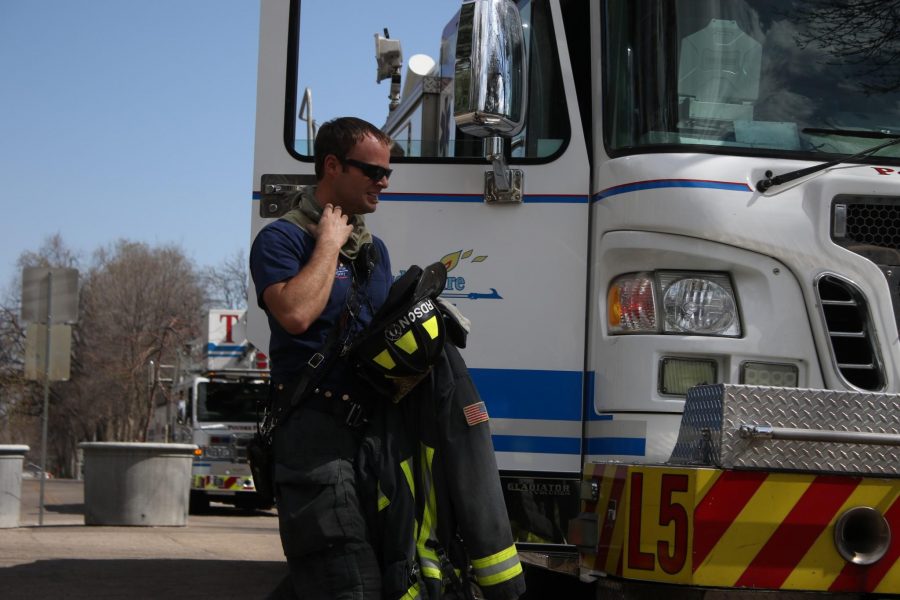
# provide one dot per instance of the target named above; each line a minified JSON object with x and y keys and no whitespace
{"x":46,"y":412}
{"x":49,"y":297}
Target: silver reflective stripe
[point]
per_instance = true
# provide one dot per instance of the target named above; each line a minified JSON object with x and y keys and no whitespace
{"x":497,"y":568}
{"x":430,"y":567}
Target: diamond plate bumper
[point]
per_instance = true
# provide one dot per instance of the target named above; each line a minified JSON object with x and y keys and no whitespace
{"x":736,"y":426}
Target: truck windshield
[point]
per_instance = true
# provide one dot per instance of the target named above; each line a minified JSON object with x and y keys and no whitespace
{"x":786,"y":77}
{"x":231,"y":402}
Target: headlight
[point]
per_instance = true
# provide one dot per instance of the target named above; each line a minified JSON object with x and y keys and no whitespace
{"x":680,"y":302}
{"x":699,"y":303}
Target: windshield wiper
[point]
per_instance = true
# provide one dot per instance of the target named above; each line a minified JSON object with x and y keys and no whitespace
{"x":861,"y":133}
{"x":764,"y":184}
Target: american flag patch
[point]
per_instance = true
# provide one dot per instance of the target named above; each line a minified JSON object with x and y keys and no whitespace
{"x":475,"y":414}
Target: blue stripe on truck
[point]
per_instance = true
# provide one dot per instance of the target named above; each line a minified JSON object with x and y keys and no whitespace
{"x":546,"y":395}
{"x":557,"y":445}
{"x":528,"y":394}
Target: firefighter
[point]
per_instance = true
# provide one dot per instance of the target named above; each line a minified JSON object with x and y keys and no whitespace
{"x":320,"y":277}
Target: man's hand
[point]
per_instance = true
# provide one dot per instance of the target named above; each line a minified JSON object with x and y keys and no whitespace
{"x":333,"y":228}
{"x":298,"y":302}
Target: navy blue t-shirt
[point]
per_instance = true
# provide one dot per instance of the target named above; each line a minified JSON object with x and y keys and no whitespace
{"x":278,"y":253}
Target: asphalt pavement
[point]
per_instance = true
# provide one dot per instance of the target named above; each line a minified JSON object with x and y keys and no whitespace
{"x":225,"y":553}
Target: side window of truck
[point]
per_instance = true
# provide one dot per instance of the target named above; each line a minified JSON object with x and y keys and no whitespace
{"x":333,"y":72}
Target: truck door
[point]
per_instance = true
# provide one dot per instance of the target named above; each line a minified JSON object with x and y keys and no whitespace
{"x":517,"y":265}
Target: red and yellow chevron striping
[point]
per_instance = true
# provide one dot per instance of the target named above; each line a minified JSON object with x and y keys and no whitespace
{"x":218,"y":483}
{"x":743,"y":529}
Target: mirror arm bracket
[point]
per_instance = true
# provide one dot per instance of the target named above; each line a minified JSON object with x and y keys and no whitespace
{"x":493,"y":152}
{"x":502,"y":185}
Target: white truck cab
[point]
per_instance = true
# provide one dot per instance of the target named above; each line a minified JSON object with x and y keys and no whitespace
{"x":632,"y":199}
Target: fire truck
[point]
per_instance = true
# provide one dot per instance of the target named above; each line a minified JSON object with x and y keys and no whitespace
{"x":674,"y":226}
{"x":215,"y":391}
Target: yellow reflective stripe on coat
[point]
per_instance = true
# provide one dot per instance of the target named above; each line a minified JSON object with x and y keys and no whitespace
{"x":383,"y":501}
{"x":428,"y":559}
{"x":412,"y":593}
{"x":497,"y":568}
{"x":406,"y":467}
{"x":430,"y":568}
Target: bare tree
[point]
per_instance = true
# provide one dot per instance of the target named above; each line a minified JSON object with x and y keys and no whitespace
{"x":18,"y":398}
{"x":138,"y":304}
{"x":227,"y":283}
{"x":21,"y":400}
{"x":53,"y":253}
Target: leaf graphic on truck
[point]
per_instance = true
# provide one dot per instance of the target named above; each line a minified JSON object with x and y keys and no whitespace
{"x":456,"y":284}
{"x":451,"y":260}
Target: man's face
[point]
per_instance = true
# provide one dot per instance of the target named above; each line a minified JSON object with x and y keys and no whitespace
{"x":355,"y":192}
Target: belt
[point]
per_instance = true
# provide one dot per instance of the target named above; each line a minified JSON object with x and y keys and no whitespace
{"x":351,"y":411}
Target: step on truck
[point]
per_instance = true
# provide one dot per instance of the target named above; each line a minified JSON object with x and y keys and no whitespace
{"x":648,"y":210}
{"x":216,"y":389}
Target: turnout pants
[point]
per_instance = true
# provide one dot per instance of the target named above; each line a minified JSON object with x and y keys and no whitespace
{"x":322,"y":528}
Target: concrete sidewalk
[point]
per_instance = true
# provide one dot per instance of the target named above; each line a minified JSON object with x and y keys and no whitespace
{"x":223,"y":554}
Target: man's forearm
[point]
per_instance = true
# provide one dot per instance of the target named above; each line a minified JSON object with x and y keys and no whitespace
{"x":299,"y":301}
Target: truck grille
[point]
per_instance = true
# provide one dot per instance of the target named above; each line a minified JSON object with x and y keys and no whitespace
{"x":849,"y":328}
{"x":868,"y":221}
{"x":870,"y":226}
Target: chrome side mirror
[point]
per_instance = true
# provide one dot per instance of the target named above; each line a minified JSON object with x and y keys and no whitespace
{"x":489,"y":85}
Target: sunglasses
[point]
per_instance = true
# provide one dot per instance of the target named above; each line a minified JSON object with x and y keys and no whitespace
{"x":373,"y":172}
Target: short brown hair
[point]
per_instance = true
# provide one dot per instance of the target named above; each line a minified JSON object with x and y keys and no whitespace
{"x":338,"y":137}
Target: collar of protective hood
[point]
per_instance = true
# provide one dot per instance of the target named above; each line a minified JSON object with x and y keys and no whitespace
{"x":305,"y":210}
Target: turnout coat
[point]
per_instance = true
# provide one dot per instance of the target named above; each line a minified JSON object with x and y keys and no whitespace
{"x":431,"y":492}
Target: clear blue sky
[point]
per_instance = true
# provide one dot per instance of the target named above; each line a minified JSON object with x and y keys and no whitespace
{"x":126,"y":119}
{"x":135,"y":120}
{"x":338,"y":64}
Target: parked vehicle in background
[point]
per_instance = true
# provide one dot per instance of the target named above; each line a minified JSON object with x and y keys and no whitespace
{"x":33,"y":471}
{"x":213,"y":403}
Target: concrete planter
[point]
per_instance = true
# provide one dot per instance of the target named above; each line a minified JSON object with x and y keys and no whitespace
{"x":11,"y":459}
{"x":136,"y":484}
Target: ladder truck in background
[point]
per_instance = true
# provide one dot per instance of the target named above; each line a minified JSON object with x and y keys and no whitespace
{"x":215,"y":394}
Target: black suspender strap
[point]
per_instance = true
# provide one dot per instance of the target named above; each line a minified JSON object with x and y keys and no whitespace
{"x":313,"y":371}
{"x":319,"y":363}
